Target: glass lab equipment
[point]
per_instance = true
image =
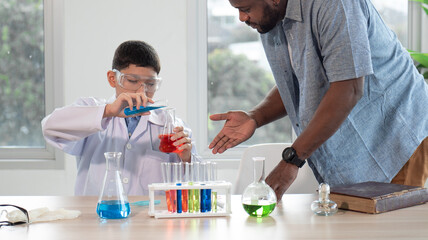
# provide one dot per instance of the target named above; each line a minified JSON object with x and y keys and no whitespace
{"x":166,"y":144}
{"x":196,"y":192}
{"x":191,"y":192}
{"x":113,"y":202}
{"x":177,"y":180}
{"x":324,"y":206}
{"x":205,"y":192}
{"x":185,"y":192}
{"x":150,"y":106}
{"x":167,"y":179}
{"x":213,"y":179}
{"x":258,"y":199}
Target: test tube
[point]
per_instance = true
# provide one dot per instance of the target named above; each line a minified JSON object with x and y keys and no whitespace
{"x":205,"y":193}
{"x":185,"y":192}
{"x":213,"y":179}
{"x":191,"y":197}
{"x":207,"y":178}
{"x":177,"y":179}
{"x":172,"y":193}
{"x":167,"y":180}
{"x":196,"y":168}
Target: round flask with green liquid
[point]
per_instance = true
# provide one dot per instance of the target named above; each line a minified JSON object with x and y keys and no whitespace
{"x":258,"y":199}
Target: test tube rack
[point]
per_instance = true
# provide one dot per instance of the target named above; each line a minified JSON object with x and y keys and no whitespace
{"x":222,"y":211}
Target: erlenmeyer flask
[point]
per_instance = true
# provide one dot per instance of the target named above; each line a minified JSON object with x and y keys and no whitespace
{"x":258,"y":199}
{"x":113,"y":202}
{"x":166,"y":144}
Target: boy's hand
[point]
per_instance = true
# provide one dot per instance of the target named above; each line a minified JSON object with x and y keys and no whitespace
{"x":184,"y":141}
{"x":125,"y":100}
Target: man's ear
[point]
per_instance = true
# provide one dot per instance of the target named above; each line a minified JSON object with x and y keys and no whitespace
{"x":111,"y":78}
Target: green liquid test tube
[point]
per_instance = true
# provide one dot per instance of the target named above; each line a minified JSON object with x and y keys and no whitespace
{"x":191,"y":197}
{"x":213,"y":179}
{"x":195,"y":175}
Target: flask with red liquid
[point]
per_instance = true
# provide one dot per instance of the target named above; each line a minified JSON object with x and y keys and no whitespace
{"x":166,"y":144}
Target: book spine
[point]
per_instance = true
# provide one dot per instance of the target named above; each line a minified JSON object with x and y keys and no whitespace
{"x":401,"y":200}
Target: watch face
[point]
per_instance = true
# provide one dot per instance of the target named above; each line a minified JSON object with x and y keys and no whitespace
{"x":288,"y":154}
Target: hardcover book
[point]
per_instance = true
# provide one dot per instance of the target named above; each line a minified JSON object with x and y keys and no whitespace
{"x":377,"y":197}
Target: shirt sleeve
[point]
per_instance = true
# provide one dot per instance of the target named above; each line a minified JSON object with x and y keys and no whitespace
{"x":343,"y":39}
{"x":66,"y":127}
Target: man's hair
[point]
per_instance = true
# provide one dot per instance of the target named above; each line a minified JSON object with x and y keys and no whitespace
{"x":136,"y":52}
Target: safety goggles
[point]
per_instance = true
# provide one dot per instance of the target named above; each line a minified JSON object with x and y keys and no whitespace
{"x":133,"y":82}
{"x":8,"y":208}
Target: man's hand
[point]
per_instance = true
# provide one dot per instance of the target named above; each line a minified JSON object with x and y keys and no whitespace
{"x":125,"y":100}
{"x":281,"y":177}
{"x":239,"y":127}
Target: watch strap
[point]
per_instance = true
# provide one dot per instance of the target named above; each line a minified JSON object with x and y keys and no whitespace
{"x":293,"y":158}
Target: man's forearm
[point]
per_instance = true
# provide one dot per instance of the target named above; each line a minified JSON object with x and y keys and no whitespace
{"x":270,"y":109}
{"x":334,"y":108}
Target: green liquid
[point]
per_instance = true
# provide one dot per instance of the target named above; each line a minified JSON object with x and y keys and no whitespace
{"x":196,"y":201}
{"x":214,"y":201}
{"x":259,"y":210}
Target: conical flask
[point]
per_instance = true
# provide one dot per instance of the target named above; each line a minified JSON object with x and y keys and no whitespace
{"x":166,"y":144}
{"x":113,"y":202}
{"x":258,"y":199}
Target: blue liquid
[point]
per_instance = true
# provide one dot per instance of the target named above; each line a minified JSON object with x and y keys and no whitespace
{"x":113,"y":209}
{"x":179,"y":202}
{"x":205,"y":200}
{"x":134,"y":110}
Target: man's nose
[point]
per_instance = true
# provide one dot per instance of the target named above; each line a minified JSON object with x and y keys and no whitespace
{"x":243,"y":16}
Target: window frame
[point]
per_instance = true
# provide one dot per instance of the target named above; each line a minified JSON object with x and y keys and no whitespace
{"x":197,"y":72}
{"x":48,"y":157}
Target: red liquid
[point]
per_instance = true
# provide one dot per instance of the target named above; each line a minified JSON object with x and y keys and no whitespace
{"x":173,"y":196}
{"x":166,"y":144}
{"x":168,"y":200}
{"x":184,"y":201}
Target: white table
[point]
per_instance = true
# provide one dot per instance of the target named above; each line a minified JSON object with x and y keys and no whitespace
{"x":292,"y":219}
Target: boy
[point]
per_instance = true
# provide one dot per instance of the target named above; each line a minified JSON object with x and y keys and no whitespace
{"x":91,"y":126}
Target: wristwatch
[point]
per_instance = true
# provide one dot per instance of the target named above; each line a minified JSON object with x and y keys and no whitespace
{"x":289,"y":155}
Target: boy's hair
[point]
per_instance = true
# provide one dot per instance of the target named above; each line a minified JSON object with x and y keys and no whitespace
{"x":138,"y":53}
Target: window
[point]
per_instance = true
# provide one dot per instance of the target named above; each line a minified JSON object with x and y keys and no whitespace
{"x":229,"y":55}
{"x":394,"y":13}
{"x":26,"y":78}
{"x":239,"y":75}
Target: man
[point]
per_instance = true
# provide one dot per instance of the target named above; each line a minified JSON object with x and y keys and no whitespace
{"x":354,"y":97}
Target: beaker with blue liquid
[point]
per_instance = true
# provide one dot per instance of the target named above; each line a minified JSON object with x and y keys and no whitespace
{"x":113,"y":202}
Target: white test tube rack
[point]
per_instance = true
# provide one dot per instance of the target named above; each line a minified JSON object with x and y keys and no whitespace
{"x":222,"y":211}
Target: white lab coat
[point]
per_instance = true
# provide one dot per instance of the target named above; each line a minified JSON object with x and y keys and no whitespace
{"x":80,"y":130}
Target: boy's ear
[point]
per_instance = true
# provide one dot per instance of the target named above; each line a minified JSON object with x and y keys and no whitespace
{"x":111,"y":78}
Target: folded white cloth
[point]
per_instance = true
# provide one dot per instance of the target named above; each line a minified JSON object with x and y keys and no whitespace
{"x":43,"y":215}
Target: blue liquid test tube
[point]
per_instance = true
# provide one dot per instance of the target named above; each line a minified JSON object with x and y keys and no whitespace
{"x":177,"y":177}
{"x":208,"y":191}
{"x":205,"y":193}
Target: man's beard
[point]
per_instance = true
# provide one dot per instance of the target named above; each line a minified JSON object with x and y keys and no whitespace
{"x":271,"y":18}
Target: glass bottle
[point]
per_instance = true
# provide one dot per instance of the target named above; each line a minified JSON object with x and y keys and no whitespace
{"x":258,"y":199}
{"x":166,"y":144}
{"x":324,"y":206}
{"x":113,"y":202}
